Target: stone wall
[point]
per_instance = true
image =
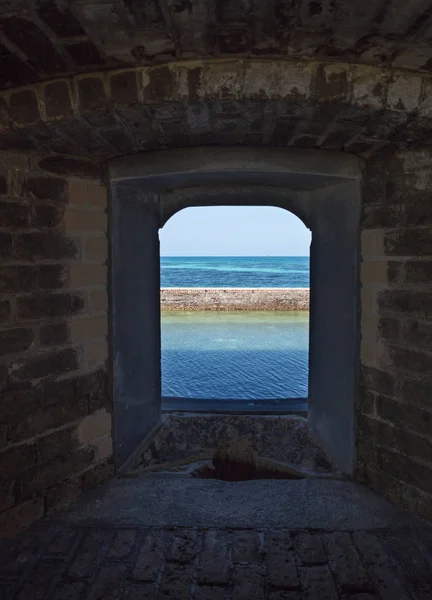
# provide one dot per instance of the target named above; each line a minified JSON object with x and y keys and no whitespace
{"x":55,"y":416}
{"x":234,"y":299}
{"x":394,"y":422}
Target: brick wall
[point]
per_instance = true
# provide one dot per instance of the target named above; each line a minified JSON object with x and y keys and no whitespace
{"x":394,"y":423}
{"x":55,"y":413}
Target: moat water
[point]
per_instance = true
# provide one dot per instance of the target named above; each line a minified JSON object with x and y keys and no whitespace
{"x":235,"y":355}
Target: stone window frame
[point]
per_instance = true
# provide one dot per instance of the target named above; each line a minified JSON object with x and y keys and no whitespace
{"x":322,"y":188}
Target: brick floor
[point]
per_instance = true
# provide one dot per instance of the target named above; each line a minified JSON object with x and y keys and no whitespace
{"x":68,"y":562}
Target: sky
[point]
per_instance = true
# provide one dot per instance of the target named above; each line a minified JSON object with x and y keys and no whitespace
{"x":234,"y":231}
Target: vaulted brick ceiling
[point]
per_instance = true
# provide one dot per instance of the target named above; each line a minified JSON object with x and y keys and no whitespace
{"x":40,"y":39}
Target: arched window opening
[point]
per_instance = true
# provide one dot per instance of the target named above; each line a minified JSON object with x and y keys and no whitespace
{"x":235,"y":308}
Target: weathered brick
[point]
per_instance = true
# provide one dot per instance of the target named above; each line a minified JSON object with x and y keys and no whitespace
{"x":55,"y":334}
{"x":407,"y":359}
{"x":389,"y":328}
{"x":69,"y":590}
{"x":7,"y":494}
{"x":404,"y":415}
{"x":176,"y":582}
{"x":88,"y":194}
{"x":3,"y":185}
{"x":150,"y":558}
{"x":53,"y":277}
{"x":44,"y":365}
{"x":182,"y":548}
{"x":5,"y":311}
{"x":409,"y":242}
{"x":46,"y":188}
{"x":50,"y":474}
{"x":317,"y":582}
{"x":15,"y":279}
{"x":57,"y":99}
{"x":310,"y":549}
{"x":92,"y":547}
{"x":50,"y":245}
{"x":91,"y":94}
{"x":417,"y":392}
{"x":17,"y":459}
{"x":62,"y":495}
{"x":408,"y":302}
{"x":418,"y":271}
{"x":24,"y":107}
{"x":70,"y":166}
{"x":214,"y":559}
{"x":93,"y":426}
{"x":98,"y":473}
{"x":246,"y":548}
{"x":122,"y":545}
{"x":345,"y":563}
{"x":109,"y":582}
{"x":42,"y":306}
{"x":140,"y":591}
{"x":46,"y":216}
{"x":96,"y":352}
{"x":124,"y":88}
{"x":14,"y":340}
{"x":18,"y":401}
{"x":403,"y":468}
{"x":56,"y":443}
{"x":14,"y":214}
{"x":281,"y":564}
{"x":418,"y":333}
{"x":248,"y":583}
{"x":6,"y":245}
{"x":20,"y":517}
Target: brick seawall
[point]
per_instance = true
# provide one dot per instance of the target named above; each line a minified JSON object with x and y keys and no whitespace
{"x":235,"y":299}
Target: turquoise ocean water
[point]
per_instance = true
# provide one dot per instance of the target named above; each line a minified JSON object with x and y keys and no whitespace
{"x":235,"y":355}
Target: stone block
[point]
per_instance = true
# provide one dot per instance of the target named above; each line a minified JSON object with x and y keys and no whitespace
{"x":176,"y":582}
{"x":14,"y":340}
{"x":281,"y":563}
{"x":404,"y":92}
{"x":246,"y":548}
{"x":214,"y":559}
{"x":369,"y":87}
{"x":7,"y":494}
{"x":374,"y":272}
{"x":124,"y":88}
{"x":332,"y":83}
{"x":183,"y":547}
{"x":96,"y":352}
{"x":223,"y":80}
{"x":97,"y":474}
{"x":417,"y":391}
{"x":262,"y":79}
{"x":372,"y":243}
{"x":42,"y":306}
{"x":123,"y":544}
{"x":81,"y":221}
{"x":87,"y":328}
{"x":318,"y":582}
{"x":407,"y":359}
{"x":150,"y":558}
{"x":84,"y":275}
{"x":96,"y":248}
{"x":99,"y":300}
{"x":248,"y":583}
{"x":159,"y":84}
{"x":93,"y":426}
{"x":24,"y":108}
{"x":91,"y":94}
{"x":310,"y":549}
{"x":61,"y":496}
{"x":103,"y":447}
{"x":44,"y":365}
{"x":418,"y":334}
{"x":58,"y":102}
{"x":389,"y":328}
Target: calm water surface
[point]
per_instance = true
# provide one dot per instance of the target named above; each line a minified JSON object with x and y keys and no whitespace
{"x":235,"y":355}
{"x":235,"y":271}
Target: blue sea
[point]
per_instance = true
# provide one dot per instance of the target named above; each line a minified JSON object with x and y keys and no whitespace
{"x":235,"y":271}
{"x":235,"y":355}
